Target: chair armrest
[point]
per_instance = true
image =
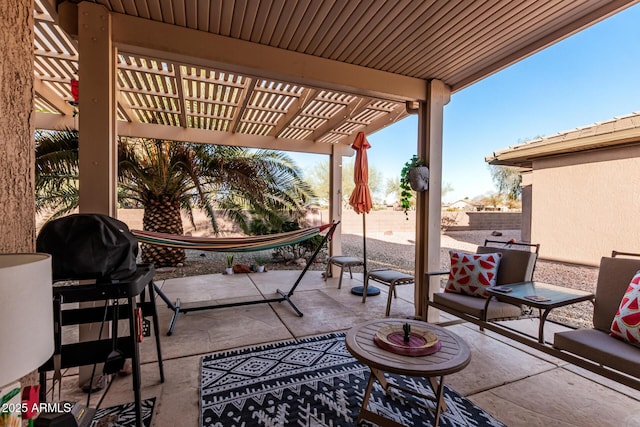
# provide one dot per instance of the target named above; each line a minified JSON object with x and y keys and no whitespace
{"x":435,"y":273}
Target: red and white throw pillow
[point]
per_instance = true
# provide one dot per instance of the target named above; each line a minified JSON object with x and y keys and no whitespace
{"x":626,"y":323}
{"x":472,"y":274}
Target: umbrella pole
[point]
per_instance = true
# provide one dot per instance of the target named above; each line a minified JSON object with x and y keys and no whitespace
{"x":359,"y":290}
{"x":364,"y":241}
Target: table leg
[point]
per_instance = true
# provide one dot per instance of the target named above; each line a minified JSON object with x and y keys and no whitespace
{"x":365,"y":399}
{"x":440,"y":406}
{"x":435,"y":386}
{"x":543,"y":318}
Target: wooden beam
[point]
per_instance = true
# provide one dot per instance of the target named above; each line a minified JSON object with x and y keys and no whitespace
{"x":51,"y":97}
{"x":204,"y":136}
{"x":146,"y":37}
{"x":54,"y":121}
{"x":247,"y":93}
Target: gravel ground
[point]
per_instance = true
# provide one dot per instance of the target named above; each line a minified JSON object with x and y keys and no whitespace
{"x":397,"y":251}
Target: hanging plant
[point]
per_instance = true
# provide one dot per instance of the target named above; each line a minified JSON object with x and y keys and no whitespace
{"x":414,"y":177}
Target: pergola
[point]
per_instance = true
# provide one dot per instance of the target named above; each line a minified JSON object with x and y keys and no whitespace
{"x":296,"y":75}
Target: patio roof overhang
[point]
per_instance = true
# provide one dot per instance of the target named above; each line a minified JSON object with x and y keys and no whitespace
{"x":299,"y":75}
{"x":290,"y":75}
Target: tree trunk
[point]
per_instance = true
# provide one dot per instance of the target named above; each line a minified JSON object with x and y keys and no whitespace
{"x":162,"y":215}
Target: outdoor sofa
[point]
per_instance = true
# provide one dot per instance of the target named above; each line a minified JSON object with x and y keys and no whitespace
{"x":594,"y":349}
{"x":596,"y":344}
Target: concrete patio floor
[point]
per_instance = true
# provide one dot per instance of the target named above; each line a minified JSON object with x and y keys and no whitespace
{"x":518,"y":385}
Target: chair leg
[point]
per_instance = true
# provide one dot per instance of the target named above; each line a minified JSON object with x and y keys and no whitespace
{"x":340,"y":279}
{"x":392,"y":290}
{"x":364,"y":289}
{"x":350,"y":273}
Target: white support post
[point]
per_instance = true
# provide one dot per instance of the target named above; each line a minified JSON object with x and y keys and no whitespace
{"x":430,"y":126}
{"x":97,"y":131}
{"x":97,"y":118}
{"x":335,"y":201}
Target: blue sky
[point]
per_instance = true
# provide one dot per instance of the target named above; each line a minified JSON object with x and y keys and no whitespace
{"x":592,"y":76}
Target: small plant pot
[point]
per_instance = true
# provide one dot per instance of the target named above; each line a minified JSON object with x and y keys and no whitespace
{"x":228,"y":270}
{"x":260,"y":268}
{"x":419,"y":178}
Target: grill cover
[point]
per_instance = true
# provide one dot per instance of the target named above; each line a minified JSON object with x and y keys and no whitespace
{"x":89,"y":246}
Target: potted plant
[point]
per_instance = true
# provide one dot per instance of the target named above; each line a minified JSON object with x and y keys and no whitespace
{"x":414,"y":177}
{"x":261,"y":261}
{"x":229,"y":269}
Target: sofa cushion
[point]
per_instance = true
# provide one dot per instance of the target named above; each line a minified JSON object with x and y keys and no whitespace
{"x":613,"y":280}
{"x":600,"y":347}
{"x":626,"y":322}
{"x":515,"y":265}
{"x":474,"y":306}
{"x":471,"y":274}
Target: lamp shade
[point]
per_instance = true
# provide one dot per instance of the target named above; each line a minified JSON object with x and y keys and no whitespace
{"x":26,"y":314}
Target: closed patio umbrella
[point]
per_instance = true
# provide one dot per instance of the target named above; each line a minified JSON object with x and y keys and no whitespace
{"x":360,"y":199}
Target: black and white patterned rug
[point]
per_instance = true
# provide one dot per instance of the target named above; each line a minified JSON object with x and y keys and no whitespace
{"x":313,"y":382}
{"x":124,"y":415}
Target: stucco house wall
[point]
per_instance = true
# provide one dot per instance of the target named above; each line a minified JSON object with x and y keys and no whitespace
{"x":584,"y":205}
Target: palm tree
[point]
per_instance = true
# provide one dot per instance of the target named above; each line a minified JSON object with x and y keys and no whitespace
{"x":168,"y":178}
{"x":56,"y":172}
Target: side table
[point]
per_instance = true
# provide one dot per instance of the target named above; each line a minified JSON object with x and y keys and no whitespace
{"x":452,"y":357}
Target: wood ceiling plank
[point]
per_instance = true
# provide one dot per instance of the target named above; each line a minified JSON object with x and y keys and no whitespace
{"x":204,"y":12}
{"x":283,"y":33}
{"x":215,"y":12}
{"x":562,"y":30}
{"x":327,"y":16}
{"x":179,"y":13}
{"x":407,"y":39}
{"x":372,"y":26}
{"x":250,"y":19}
{"x":509,"y":31}
{"x":300,"y":22}
{"x":155,"y":9}
{"x":500,"y":23}
{"x":286,"y":18}
{"x":309,"y":23}
{"x":116,"y":6}
{"x":392,"y":30}
{"x":226,"y":17}
{"x":130,"y":8}
{"x":321,"y":17}
{"x":167,"y":11}
{"x":341,"y":19}
{"x":359,"y":18}
{"x":191,"y":9}
{"x":273,"y":20}
{"x":257,"y":27}
{"x":436,"y":32}
{"x":238,"y":18}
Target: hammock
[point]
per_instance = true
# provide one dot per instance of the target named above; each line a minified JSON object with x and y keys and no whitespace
{"x":229,"y":244}
{"x":236,"y":244}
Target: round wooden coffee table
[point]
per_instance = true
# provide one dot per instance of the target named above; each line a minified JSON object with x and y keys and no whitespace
{"x":452,"y":357}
